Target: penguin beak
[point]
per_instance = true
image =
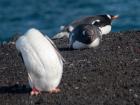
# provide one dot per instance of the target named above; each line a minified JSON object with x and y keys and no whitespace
{"x":114,"y":17}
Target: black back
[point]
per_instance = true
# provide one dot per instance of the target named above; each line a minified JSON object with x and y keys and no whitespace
{"x":104,"y":20}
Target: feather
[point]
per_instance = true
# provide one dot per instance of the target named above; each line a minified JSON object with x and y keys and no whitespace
{"x":43,"y":62}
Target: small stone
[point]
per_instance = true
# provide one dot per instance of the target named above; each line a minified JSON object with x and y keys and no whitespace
{"x":84,"y":77}
{"x":136,"y":96}
{"x":130,"y":90}
{"x":76,"y":87}
{"x":119,"y":47}
{"x":136,"y":60}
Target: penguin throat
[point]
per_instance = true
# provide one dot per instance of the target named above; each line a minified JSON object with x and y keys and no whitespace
{"x":106,"y":29}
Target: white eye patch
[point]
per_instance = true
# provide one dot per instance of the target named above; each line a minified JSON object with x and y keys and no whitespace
{"x":95,"y":21}
{"x":109,"y":16}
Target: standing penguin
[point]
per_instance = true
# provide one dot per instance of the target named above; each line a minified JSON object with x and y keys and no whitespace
{"x":101,"y":21}
{"x":85,"y":36}
{"x":43,"y":62}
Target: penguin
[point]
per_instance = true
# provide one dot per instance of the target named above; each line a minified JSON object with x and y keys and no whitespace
{"x":85,"y":36}
{"x":43,"y":61}
{"x":104,"y":22}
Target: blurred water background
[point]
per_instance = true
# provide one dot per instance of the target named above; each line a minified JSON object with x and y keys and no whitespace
{"x":17,"y":16}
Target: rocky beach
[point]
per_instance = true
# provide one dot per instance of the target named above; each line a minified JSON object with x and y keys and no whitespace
{"x":106,"y":75}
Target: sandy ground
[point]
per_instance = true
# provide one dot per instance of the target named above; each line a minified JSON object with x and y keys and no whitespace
{"x":107,"y":75}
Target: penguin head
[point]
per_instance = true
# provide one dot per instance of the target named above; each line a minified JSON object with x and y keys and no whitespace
{"x":87,"y":33}
{"x":112,"y":17}
{"x":103,"y":20}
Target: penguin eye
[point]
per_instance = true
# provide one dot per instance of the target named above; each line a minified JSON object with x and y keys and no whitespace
{"x":109,"y":16}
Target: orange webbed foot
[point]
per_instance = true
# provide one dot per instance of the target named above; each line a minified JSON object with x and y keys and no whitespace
{"x":35,"y":92}
{"x":56,"y":90}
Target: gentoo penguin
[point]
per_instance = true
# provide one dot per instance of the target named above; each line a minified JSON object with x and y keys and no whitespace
{"x":85,"y":36}
{"x":101,"y":21}
{"x":43,"y":62}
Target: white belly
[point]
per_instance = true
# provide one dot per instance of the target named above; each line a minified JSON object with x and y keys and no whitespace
{"x":79,"y":45}
{"x":95,"y":43}
{"x":41,"y":61}
{"x":106,"y":29}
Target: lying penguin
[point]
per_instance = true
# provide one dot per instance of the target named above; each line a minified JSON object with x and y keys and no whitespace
{"x":101,"y":21}
{"x":43,"y":62}
{"x":85,"y":36}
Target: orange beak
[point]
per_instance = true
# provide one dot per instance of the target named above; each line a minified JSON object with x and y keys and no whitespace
{"x":114,"y":17}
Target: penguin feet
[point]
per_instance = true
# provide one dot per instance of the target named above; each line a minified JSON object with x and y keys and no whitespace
{"x":55,"y":90}
{"x":35,"y":92}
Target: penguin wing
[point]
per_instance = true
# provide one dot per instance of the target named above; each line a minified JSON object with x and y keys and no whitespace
{"x":47,"y":53}
{"x":40,"y":58}
{"x":20,"y":55}
{"x":60,"y":35}
{"x":72,"y":39}
{"x":56,"y":50}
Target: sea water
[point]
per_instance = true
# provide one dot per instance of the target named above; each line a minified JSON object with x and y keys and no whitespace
{"x":17,"y":16}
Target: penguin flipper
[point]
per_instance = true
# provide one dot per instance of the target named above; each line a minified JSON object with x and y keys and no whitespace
{"x":20,"y":55}
{"x":56,"y":49}
{"x":61,"y":35}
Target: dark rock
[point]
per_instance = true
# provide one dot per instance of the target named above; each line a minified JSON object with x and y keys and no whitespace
{"x":107,"y":75}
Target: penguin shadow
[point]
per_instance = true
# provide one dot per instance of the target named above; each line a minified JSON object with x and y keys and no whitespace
{"x":71,"y":49}
{"x":65,"y":49}
{"x":17,"y":88}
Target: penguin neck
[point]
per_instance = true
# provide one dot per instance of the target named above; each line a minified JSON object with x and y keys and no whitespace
{"x":105,"y":29}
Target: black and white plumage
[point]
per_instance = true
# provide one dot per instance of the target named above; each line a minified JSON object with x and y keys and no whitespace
{"x":85,"y":36}
{"x":43,"y":62}
{"x":101,"y":21}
